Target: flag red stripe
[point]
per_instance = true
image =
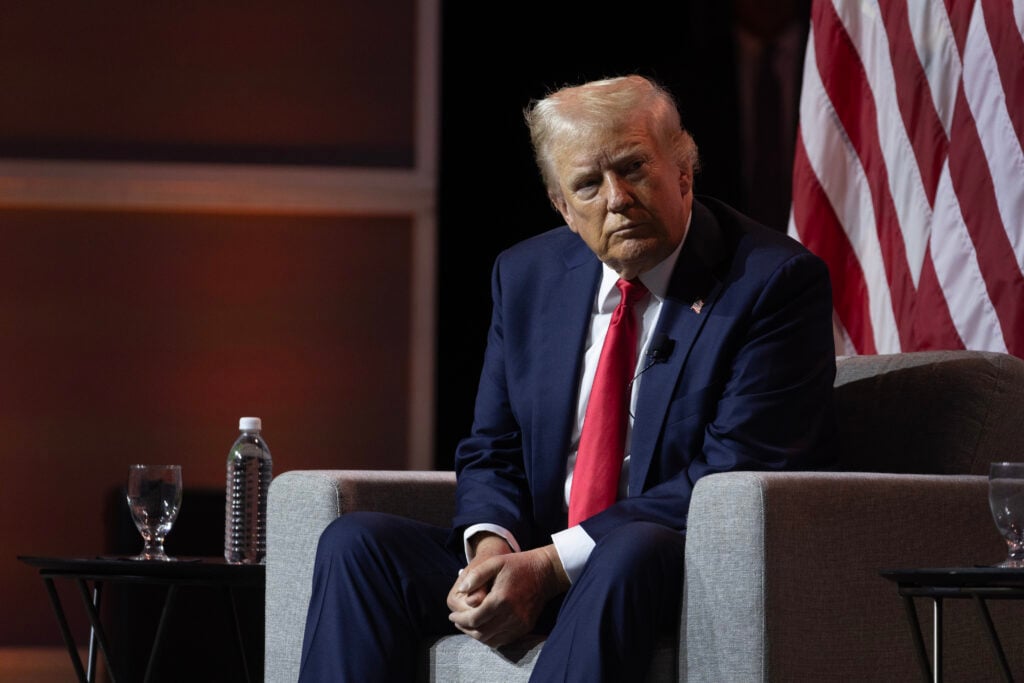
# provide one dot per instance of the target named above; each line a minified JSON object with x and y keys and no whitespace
{"x":846,"y":83}
{"x":1008,"y":47}
{"x":973,"y":185}
{"x":959,"y":12}
{"x":934,"y":327}
{"x":822,"y":232}
{"x":927,"y":136}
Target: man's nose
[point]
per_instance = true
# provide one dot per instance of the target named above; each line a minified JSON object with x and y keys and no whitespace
{"x":620,"y":193}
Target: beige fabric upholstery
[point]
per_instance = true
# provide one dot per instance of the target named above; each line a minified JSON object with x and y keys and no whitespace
{"x":300,"y":506}
{"x":793,"y":593}
{"x":936,"y":412}
{"x":782,"y":569}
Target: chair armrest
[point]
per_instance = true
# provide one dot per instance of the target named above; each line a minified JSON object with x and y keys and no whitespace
{"x":782,"y":570}
{"x":300,"y":505}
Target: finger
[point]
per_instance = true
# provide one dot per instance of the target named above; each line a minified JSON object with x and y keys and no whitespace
{"x":463,"y":603}
{"x":472,"y":633}
{"x":457,"y":597}
{"x":494,"y":630}
{"x":497,"y":636}
{"x":479,"y":575}
{"x":487,"y":635}
{"x":469,"y":582}
{"x":474,"y":599}
{"x":485,"y":617}
{"x":468,"y":620}
{"x":457,"y":600}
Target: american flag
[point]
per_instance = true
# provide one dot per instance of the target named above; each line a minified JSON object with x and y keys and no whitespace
{"x":908,"y":173}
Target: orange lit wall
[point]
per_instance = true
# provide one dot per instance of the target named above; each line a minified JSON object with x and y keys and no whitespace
{"x":318,"y":81}
{"x":142,"y":333}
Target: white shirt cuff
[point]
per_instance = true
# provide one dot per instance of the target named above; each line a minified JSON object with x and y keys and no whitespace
{"x":493,"y":528}
{"x":574,"y":546}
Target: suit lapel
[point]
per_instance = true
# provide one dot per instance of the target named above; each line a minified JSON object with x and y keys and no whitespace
{"x":693,"y":290}
{"x":565,"y":318}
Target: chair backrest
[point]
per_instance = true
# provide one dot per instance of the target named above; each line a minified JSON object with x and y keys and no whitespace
{"x":929,"y":412}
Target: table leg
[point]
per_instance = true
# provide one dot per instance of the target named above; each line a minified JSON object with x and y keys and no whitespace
{"x":97,"y":627}
{"x":65,"y":630}
{"x":97,"y":592}
{"x":993,"y":637}
{"x":161,"y":627}
{"x":937,"y":652}
{"x":238,"y":633}
{"x":915,"y":632}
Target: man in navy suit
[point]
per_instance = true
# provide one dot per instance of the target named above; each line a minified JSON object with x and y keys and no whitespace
{"x":733,"y":370}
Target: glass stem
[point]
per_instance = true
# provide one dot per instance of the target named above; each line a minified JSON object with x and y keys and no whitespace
{"x":154,"y":547}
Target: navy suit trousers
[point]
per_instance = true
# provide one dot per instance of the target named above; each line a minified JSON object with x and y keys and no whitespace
{"x":380,"y":585}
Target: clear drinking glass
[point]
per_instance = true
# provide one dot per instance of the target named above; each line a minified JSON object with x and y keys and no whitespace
{"x":154,"y":497}
{"x":1006,"y":499}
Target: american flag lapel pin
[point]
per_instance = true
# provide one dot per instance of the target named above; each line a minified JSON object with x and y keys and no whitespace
{"x":697,"y":306}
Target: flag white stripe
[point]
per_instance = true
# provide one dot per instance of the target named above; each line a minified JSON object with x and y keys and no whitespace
{"x":838,"y":169}
{"x":863,"y":23}
{"x":936,"y":49}
{"x":987,"y":102}
{"x":959,"y":273}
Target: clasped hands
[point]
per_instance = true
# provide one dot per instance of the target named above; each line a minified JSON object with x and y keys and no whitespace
{"x":500,"y":594}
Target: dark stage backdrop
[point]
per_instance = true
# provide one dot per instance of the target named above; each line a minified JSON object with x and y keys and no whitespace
{"x":495,"y":58}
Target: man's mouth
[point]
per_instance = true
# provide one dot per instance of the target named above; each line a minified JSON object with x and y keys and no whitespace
{"x":628,"y":229}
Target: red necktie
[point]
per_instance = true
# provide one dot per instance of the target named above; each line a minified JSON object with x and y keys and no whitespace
{"x":595,"y":480}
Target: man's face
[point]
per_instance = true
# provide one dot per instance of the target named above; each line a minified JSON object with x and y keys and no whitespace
{"x":623,"y":195}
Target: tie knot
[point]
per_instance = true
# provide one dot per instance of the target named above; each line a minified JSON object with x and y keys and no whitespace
{"x":632,"y":291}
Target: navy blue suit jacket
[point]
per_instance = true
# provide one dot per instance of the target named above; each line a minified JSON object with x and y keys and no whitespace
{"x":748,"y":384}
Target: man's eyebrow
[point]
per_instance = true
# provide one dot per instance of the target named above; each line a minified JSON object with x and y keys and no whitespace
{"x":630,"y":152}
{"x":578,"y":173}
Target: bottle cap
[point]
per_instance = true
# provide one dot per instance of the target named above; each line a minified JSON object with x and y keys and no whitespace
{"x":249,"y":424}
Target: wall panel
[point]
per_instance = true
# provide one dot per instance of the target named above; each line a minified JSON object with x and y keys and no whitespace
{"x":317,"y":81}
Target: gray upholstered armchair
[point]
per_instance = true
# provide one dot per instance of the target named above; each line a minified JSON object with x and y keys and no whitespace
{"x":782,"y":569}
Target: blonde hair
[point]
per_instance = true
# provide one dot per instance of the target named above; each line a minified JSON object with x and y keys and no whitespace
{"x":561,"y":117}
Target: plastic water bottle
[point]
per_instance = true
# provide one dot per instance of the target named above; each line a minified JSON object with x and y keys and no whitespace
{"x":250,"y":469}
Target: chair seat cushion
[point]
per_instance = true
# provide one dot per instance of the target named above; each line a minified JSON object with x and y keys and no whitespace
{"x":461,"y":659}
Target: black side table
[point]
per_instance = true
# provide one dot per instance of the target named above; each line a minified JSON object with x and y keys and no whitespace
{"x":979,"y":584}
{"x":184,"y":572}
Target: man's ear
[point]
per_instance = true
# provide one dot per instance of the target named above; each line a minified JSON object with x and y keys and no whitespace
{"x":685,"y":182}
{"x":558,"y":202}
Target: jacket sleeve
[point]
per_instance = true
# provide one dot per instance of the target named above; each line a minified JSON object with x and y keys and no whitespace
{"x":492,"y":483}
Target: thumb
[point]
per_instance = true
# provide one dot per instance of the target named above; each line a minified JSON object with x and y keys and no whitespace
{"x":478,"y":575}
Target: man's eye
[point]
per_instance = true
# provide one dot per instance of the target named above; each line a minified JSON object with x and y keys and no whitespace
{"x":636,"y":165}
